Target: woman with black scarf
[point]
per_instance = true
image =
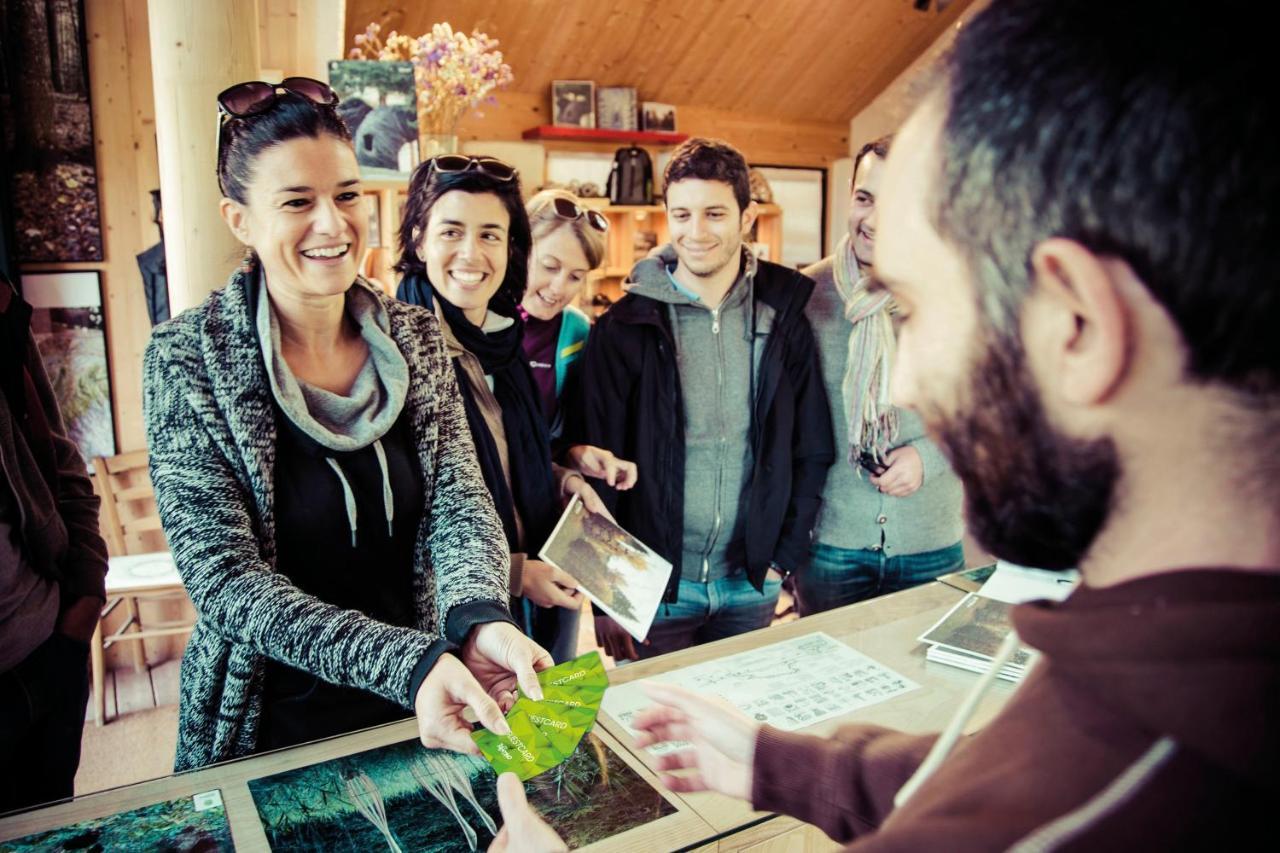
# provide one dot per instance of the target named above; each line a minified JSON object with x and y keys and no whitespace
{"x":464,"y":249}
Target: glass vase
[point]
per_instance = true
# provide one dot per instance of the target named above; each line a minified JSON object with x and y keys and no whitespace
{"x":431,"y":144}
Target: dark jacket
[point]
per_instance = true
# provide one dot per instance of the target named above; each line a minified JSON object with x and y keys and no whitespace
{"x":634,"y":406}
{"x":1149,"y":724}
{"x":42,"y":468}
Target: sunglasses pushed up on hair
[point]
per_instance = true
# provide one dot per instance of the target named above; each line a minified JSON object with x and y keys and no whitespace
{"x":256,"y":97}
{"x":571,"y":210}
{"x":491,"y":166}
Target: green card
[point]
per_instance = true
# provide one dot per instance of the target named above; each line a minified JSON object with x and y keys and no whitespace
{"x":590,"y":697}
{"x":525,"y":752}
{"x":585,"y":671}
{"x":563,"y":725}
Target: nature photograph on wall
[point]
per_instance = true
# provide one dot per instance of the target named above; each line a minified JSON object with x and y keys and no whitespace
{"x":377,"y":101}
{"x":196,"y":823}
{"x":404,"y":797}
{"x":67,"y":323}
{"x":48,"y":131}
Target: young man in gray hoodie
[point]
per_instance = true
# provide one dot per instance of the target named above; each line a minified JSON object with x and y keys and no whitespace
{"x":705,"y":373}
{"x":892,"y":509}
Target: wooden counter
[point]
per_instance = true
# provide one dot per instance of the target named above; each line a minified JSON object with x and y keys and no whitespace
{"x":884,"y":629}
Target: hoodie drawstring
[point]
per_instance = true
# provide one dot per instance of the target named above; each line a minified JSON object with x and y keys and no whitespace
{"x":388,"y":501}
{"x":942,"y":747}
{"x":347,"y":494}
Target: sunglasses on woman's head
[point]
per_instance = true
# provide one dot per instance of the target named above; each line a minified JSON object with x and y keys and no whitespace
{"x":491,"y":166}
{"x":253,"y":98}
{"x":571,"y":210}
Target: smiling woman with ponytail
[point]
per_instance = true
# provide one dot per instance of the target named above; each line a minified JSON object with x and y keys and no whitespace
{"x":314,"y":472}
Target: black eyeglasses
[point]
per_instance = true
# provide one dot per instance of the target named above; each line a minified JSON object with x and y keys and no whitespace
{"x":571,"y":210}
{"x":253,"y":98}
{"x":491,"y":166}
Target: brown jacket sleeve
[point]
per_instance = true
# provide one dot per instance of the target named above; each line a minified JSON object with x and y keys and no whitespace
{"x":84,"y":567}
{"x":843,"y":784}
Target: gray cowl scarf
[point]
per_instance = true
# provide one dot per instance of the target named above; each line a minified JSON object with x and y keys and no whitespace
{"x":333,"y":421}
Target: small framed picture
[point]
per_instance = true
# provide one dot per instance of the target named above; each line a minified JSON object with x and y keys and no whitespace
{"x":616,"y":108}
{"x":656,"y":116}
{"x":573,"y":103}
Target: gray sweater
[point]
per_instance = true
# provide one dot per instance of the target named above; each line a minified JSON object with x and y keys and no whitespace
{"x":211,"y":432}
{"x":715,"y":358}
{"x":854,"y":512}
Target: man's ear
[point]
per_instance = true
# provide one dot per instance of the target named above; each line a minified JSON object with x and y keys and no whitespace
{"x":233,"y":213}
{"x":749,"y":218}
{"x":1081,"y":329}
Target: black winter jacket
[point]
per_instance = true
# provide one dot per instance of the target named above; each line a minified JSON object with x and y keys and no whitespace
{"x":633,"y":405}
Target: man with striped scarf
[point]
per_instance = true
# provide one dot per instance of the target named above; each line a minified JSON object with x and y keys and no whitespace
{"x":891,"y":509}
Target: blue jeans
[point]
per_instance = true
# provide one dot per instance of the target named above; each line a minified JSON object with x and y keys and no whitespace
{"x":704,"y":612}
{"x":839,"y":576}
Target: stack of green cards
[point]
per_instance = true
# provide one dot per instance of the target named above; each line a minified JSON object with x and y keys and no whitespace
{"x":545,"y":733}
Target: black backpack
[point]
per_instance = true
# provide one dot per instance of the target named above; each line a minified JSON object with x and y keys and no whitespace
{"x":631,"y":178}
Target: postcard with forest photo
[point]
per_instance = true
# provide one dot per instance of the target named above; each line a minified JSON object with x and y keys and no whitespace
{"x":404,"y":797}
{"x":619,"y":573}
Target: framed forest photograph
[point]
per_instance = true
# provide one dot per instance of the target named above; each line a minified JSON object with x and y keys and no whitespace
{"x":47,"y":124}
{"x":406,"y":797}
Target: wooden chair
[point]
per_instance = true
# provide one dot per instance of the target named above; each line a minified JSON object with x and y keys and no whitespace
{"x":137,"y":569}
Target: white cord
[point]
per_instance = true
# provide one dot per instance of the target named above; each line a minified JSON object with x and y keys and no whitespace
{"x":947,"y":740}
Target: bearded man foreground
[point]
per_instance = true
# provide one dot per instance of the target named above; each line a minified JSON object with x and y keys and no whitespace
{"x":1077,"y":230}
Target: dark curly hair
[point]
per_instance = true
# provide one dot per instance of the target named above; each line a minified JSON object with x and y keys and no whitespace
{"x":710,"y":160}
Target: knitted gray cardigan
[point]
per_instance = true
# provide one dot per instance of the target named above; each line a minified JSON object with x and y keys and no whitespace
{"x":211,"y":433}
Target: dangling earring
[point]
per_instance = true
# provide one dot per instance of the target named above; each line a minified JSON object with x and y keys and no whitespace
{"x":249,"y":261}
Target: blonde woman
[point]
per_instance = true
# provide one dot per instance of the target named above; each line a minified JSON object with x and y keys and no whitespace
{"x":568,"y":243}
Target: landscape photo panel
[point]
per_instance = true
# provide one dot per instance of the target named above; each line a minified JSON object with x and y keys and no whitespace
{"x":197,"y":823}
{"x":404,"y":797}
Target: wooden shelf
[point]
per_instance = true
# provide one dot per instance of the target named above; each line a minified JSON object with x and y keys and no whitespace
{"x":549,"y":133}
